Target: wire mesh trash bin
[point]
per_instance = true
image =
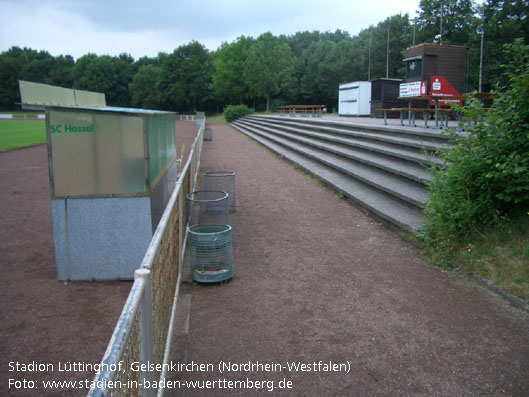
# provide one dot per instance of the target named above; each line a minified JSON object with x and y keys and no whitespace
{"x":209,"y":236}
{"x":208,"y":134}
{"x":207,"y":207}
{"x":210,"y":253}
{"x":223,"y":181}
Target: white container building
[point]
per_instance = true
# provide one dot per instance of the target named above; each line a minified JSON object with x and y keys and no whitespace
{"x":354,"y":99}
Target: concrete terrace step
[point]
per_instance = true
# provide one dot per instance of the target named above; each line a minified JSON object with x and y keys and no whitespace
{"x":407,"y":169}
{"x":376,"y":128}
{"x":413,"y":154}
{"x":406,"y":217}
{"x":430,"y":142}
{"x":405,"y":190}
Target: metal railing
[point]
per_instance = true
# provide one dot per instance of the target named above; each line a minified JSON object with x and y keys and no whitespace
{"x":190,"y":117}
{"x":138,"y":351}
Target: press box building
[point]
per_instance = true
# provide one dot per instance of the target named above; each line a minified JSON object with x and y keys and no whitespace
{"x":426,"y":60}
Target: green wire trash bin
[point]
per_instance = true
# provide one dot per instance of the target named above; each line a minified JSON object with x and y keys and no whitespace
{"x":210,"y":253}
{"x":209,"y":236}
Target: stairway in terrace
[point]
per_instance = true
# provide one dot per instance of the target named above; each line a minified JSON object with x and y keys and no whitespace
{"x":382,"y":168}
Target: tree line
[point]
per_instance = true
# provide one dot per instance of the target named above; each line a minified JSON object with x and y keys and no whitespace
{"x":269,"y":71}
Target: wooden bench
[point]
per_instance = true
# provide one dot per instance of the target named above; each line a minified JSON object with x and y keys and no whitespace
{"x":304,"y":110}
{"x":443,"y":113}
{"x":440,"y":113}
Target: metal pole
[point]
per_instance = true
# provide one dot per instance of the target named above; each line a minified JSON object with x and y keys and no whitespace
{"x":369,"y":60}
{"x":387,"y":56}
{"x":441,"y":28}
{"x":146,"y":351}
{"x":481,"y":61}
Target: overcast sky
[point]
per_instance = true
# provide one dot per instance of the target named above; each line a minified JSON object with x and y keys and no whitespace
{"x":78,"y":27}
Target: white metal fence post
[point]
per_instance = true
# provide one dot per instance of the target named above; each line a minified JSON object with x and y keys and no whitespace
{"x":146,"y":350}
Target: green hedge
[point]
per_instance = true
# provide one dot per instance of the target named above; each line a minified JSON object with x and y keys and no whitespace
{"x":234,"y":112}
{"x":488,"y":179}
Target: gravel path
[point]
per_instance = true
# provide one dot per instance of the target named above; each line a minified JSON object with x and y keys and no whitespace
{"x":318,"y":280}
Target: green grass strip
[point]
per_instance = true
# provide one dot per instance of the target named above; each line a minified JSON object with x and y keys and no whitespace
{"x":502,"y":256}
{"x":21,"y":133}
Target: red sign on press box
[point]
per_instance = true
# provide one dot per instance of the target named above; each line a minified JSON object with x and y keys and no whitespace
{"x":441,"y":86}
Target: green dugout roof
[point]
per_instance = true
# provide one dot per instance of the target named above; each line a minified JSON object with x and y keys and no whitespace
{"x":115,"y":109}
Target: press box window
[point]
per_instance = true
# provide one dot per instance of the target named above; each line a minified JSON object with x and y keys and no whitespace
{"x":414,"y":68}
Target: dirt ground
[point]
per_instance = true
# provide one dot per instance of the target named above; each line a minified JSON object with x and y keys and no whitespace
{"x":317,"y":280}
{"x":45,"y":321}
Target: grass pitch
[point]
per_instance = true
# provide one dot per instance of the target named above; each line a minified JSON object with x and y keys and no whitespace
{"x":21,"y":133}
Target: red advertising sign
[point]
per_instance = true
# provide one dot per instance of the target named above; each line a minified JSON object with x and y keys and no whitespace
{"x":442,"y":87}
